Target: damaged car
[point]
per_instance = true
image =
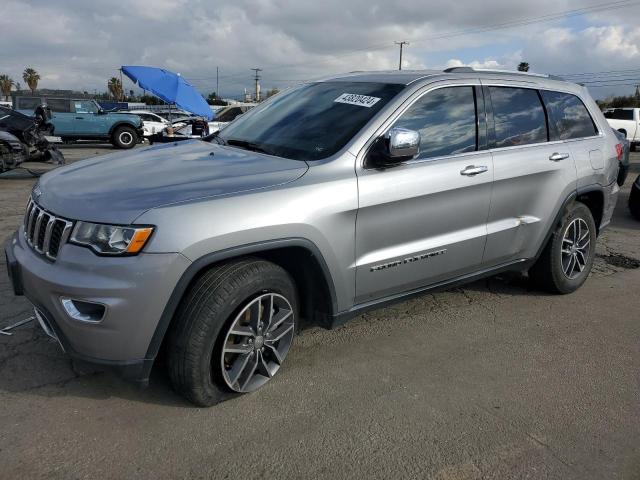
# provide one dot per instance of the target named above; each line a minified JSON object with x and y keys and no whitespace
{"x":23,"y":141}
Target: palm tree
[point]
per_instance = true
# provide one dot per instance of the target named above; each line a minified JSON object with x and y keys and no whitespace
{"x":5,"y":85}
{"x":115,"y":88}
{"x":523,"y":67}
{"x":31,"y":77}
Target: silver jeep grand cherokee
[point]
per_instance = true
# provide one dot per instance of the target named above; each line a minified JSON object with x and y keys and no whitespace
{"x":325,"y":201}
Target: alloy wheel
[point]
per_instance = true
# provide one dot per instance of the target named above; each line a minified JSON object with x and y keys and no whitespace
{"x":575,"y":248}
{"x":257,"y":342}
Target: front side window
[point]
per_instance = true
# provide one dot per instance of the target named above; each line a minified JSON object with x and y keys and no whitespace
{"x":310,"y":122}
{"x":518,"y":115}
{"x":84,"y":106}
{"x":568,"y":117}
{"x":446,"y":120}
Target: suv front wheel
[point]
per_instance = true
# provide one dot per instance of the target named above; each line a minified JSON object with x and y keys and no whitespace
{"x":124,"y":137}
{"x":566,"y":261}
{"x":232,"y":331}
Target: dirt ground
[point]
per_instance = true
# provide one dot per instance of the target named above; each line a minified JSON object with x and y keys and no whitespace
{"x":492,"y":380}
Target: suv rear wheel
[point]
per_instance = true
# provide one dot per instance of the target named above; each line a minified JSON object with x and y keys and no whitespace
{"x":124,"y":137}
{"x":232,"y":331}
{"x":566,"y":261}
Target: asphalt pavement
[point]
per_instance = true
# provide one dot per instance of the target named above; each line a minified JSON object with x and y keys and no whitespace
{"x":492,"y":380}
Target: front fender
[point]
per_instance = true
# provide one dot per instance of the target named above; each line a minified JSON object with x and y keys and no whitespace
{"x":212,"y":258}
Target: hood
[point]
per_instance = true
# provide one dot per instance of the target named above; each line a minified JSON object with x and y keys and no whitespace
{"x":118,"y":188}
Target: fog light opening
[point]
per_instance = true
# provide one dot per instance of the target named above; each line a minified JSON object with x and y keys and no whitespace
{"x":83,"y":311}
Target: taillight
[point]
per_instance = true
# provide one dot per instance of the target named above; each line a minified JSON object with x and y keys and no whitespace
{"x":619,"y":152}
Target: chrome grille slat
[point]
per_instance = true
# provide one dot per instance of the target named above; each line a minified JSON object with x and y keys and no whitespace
{"x":36,"y":231}
{"x":39,"y":226}
{"x":47,"y":235}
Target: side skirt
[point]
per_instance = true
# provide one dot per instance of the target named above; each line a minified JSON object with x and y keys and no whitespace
{"x":343,"y":317}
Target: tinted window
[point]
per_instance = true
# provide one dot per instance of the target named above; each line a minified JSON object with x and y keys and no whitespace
{"x":59,"y":105}
{"x":619,"y":114}
{"x":446,"y":120}
{"x":568,"y":117}
{"x":519,"y":116}
{"x":28,"y":103}
{"x":310,"y":122}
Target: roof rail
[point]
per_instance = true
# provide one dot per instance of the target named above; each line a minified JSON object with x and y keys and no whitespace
{"x":508,"y":72}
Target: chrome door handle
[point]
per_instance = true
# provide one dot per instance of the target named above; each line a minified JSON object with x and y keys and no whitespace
{"x":472,"y":170}
{"x":556,"y":157}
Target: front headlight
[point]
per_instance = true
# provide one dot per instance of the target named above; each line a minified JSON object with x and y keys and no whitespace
{"x":111,"y":239}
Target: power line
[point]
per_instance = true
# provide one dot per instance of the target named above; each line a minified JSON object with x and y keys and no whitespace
{"x":499,"y":26}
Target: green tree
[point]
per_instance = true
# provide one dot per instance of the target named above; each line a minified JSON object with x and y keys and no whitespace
{"x":214,"y":99}
{"x":115,"y":88}
{"x":523,"y":67}
{"x":272,"y":92}
{"x":5,"y":85}
{"x":31,"y":78}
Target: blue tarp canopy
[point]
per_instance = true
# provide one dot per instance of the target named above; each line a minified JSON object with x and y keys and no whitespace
{"x":170,"y":87}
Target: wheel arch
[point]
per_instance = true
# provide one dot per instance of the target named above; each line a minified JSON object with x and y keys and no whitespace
{"x":121,"y":123}
{"x":300,"y":257}
{"x":593,"y":198}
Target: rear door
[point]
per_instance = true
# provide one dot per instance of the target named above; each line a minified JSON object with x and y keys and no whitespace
{"x":424,"y":221}
{"x":533,"y":173}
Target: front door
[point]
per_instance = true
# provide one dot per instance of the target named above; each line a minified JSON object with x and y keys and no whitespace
{"x":87,"y":122}
{"x":424,"y":221}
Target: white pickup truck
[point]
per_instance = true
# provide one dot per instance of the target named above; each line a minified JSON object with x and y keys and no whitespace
{"x":627,"y":121}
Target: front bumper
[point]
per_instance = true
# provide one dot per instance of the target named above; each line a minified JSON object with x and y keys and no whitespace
{"x":134,"y":290}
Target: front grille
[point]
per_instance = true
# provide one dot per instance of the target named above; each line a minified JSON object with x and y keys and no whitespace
{"x":45,"y":233}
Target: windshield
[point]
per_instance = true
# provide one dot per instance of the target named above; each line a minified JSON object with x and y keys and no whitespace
{"x":311,"y":122}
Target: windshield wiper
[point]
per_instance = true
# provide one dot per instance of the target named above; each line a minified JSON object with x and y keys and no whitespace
{"x":254,"y":147}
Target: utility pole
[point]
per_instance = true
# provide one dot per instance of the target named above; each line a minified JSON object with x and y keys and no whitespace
{"x":217,"y":85}
{"x":401,"y":45}
{"x":257,"y":79}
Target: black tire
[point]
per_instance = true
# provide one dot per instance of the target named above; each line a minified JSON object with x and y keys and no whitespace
{"x":204,"y":319}
{"x":124,"y":137}
{"x":547,"y":273}
{"x":634,"y":200}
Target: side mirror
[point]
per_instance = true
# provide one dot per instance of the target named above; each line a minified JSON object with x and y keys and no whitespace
{"x":404,"y":144}
{"x":397,"y":146}
{"x":101,"y":111}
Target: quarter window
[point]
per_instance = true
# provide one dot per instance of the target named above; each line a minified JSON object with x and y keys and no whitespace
{"x":519,"y":116}
{"x":446,"y":120}
{"x":568,"y":117}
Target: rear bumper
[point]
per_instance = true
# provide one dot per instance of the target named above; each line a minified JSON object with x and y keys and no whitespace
{"x":134,"y":291}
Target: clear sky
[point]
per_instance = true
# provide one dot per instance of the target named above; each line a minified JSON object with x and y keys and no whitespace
{"x":79,"y":44}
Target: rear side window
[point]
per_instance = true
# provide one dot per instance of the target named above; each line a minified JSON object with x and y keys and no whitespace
{"x":446,"y":120}
{"x":519,"y":116}
{"x":619,"y":114}
{"x":568,"y":117}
